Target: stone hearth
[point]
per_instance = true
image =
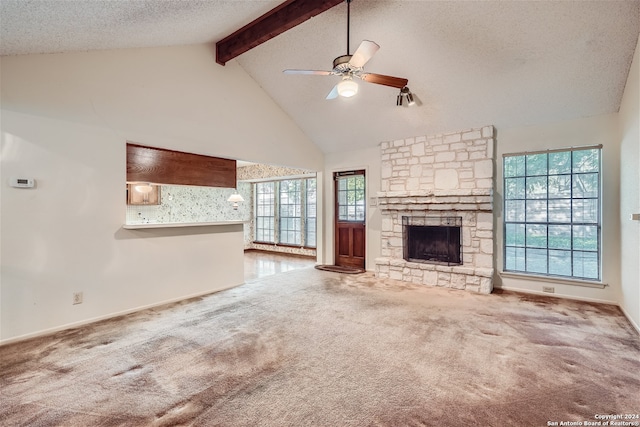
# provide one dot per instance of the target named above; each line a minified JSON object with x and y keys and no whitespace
{"x":440,"y":176}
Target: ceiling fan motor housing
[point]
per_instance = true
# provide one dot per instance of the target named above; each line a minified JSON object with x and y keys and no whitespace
{"x":341,"y":64}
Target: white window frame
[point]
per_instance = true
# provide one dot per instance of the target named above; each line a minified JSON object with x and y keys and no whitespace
{"x":304,"y":223}
{"x":520,"y":222}
{"x":271,"y":218}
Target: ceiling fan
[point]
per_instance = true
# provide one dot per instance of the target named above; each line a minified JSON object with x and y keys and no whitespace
{"x":351,"y":66}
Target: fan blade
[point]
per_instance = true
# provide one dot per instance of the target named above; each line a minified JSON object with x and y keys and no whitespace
{"x":315,"y":72}
{"x":364,"y":53}
{"x":380,"y":79}
{"x":334,"y":93}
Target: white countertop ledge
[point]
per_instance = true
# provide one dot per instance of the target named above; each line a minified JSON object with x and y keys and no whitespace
{"x":179,"y":224}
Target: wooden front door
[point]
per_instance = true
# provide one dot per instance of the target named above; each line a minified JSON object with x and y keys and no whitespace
{"x":350,"y":202}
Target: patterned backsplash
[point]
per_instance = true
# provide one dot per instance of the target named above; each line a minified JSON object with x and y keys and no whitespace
{"x":189,"y":204}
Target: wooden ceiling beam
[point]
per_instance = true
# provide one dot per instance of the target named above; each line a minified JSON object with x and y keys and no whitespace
{"x":275,"y":22}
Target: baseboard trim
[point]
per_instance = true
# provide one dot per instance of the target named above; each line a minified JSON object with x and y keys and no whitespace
{"x":85,"y":322}
{"x":554,"y":295}
{"x":634,"y":324}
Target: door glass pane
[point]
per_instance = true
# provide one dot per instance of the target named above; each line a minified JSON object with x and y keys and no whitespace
{"x":351,"y":198}
{"x":342,"y":197}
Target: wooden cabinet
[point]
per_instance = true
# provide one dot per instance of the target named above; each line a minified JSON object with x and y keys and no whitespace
{"x":150,"y":164}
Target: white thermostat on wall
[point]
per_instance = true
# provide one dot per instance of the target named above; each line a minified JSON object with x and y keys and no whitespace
{"x":22,"y":182}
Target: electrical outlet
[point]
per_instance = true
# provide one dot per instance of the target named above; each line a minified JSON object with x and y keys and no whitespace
{"x":548,"y":289}
{"x":77,"y":298}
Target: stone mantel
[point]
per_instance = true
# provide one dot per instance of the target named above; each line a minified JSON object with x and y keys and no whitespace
{"x":435,"y":193}
{"x":476,"y":200}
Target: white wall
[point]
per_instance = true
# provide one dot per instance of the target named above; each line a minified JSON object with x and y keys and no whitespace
{"x":369,"y":160}
{"x":588,"y":131}
{"x":630,"y":192}
{"x":173,"y":97}
{"x":65,"y":121}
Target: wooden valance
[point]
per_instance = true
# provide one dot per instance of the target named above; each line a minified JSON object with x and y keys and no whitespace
{"x":161,"y":166}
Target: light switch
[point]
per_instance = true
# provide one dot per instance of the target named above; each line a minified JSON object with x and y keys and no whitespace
{"x":635,"y":217}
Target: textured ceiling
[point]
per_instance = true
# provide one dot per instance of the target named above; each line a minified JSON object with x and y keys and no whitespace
{"x":506,"y":63}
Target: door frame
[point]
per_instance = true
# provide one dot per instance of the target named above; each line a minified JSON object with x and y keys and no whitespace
{"x":334,"y":175}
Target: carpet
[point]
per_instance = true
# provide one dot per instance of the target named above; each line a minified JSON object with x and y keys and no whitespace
{"x":340,"y":269}
{"x":312,"y":348}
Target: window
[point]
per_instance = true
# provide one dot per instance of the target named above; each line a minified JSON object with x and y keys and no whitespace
{"x":285,"y":212}
{"x":552,"y":213}
{"x":290,"y":212}
{"x":265,"y":208}
{"x":310,"y":212}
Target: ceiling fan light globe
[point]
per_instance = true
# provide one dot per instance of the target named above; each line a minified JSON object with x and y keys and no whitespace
{"x":347,"y":88}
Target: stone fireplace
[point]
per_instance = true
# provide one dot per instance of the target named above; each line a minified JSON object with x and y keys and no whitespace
{"x":437,"y":210}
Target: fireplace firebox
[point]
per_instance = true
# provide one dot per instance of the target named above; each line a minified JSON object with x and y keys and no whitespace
{"x":434,"y":240}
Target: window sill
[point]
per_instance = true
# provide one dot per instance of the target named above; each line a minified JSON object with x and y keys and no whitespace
{"x":284,"y":245}
{"x":560,"y":280}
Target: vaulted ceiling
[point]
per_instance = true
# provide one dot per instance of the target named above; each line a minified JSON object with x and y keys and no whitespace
{"x":506,"y":63}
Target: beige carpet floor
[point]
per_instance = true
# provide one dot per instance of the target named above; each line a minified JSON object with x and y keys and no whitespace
{"x":315,"y":348}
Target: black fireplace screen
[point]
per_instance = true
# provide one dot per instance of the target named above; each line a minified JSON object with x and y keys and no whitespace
{"x":436,"y":240}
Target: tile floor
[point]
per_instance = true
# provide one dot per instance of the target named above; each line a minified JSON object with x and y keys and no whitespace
{"x":260,"y":264}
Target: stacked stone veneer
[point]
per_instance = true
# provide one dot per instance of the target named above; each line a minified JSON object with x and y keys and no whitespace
{"x":443,"y":175}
